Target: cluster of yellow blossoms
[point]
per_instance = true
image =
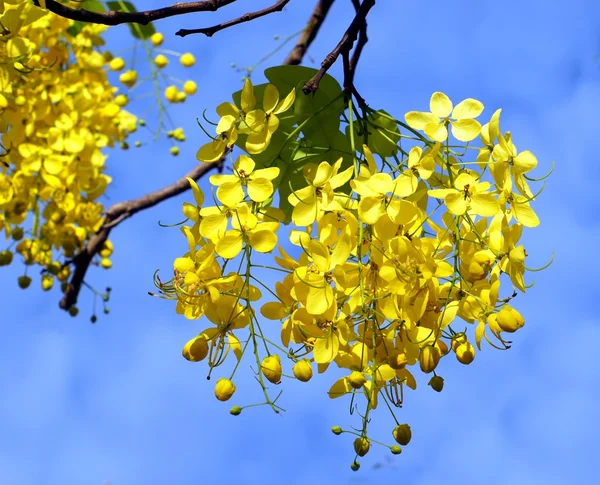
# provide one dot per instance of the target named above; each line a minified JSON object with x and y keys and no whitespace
{"x":58,"y":114}
{"x":388,"y":264}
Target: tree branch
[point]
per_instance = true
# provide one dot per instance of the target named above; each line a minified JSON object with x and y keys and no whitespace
{"x":344,"y":46}
{"x":144,"y":18}
{"x":247,"y":17}
{"x":116,"y":214}
{"x":310,"y":32}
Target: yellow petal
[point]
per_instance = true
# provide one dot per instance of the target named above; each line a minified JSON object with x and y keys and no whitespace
{"x":271,"y":98}
{"x":230,"y":245}
{"x":339,"y":388}
{"x":230,"y":193}
{"x":468,"y":108}
{"x":456,"y":203}
{"x":262,"y":241}
{"x":286,"y":103}
{"x":326,"y":348}
{"x":465,"y":130}
{"x":440,"y":105}
{"x":260,"y":189}
{"x":419,"y":119}
{"x":436,"y":131}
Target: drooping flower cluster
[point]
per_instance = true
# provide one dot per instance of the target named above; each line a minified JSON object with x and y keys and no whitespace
{"x":390,"y":265}
{"x":59,"y":113}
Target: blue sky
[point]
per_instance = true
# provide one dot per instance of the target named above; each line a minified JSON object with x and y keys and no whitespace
{"x":84,"y":404}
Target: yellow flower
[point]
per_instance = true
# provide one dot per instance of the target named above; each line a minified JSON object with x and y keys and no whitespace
{"x":468,"y":194}
{"x":442,"y":114}
{"x":257,"y":182}
{"x":261,"y":237}
{"x":263,"y":123}
{"x":310,"y":202}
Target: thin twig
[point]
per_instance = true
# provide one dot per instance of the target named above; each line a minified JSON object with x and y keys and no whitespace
{"x":344,"y":46}
{"x":116,"y":214}
{"x":310,"y":32}
{"x":143,"y":18}
{"x":247,"y":17}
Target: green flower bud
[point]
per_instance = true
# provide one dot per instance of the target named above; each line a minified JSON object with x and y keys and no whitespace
{"x":6,"y":257}
{"x":402,"y":434}
{"x":17,"y":233}
{"x":53,"y":267}
{"x":437,"y":383}
{"x":362,"y":446}
{"x":355,"y":466}
{"x":396,"y":450}
{"x":24,"y":282}
{"x":73,"y":311}
{"x":336,"y":430}
{"x":235,"y":411}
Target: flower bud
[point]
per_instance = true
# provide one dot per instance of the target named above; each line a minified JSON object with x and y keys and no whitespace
{"x":336,"y":430}
{"x":396,"y":450}
{"x":117,"y":64}
{"x":171,"y":93}
{"x":436,"y":383}
{"x":271,"y":367}
{"x":187,"y":59}
{"x":53,"y":267}
{"x":195,"y":349}
{"x":509,"y":319}
{"x":73,"y":311}
{"x":442,"y":347}
{"x":224,"y":389}
{"x":355,"y":466}
{"x":429,"y":358}
{"x":157,"y":39}
{"x":302,"y":370}
{"x":161,"y":61}
{"x":24,"y":282}
{"x":235,"y":411}
{"x":190,"y":87}
{"x":17,"y":233}
{"x":357,"y":379}
{"x":362,"y":446}
{"x":128,"y":78}
{"x":465,"y":353}
{"x":459,"y":338}
{"x":6,"y":257}
{"x":402,"y":434}
{"x":47,"y":282}
{"x":106,"y":263}
{"x":174,"y":151}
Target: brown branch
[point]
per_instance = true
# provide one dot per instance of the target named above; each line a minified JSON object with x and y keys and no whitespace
{"x":344,"y":46}
{"x":247,"y":17}
{"x":310,"y":32}
{"x":116,"y":214}
{"x":144,"y":18}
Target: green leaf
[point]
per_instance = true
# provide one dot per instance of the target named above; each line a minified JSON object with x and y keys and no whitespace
{"x":382,"y":137}
{"x":139,"y":31}
{"x":92,"y":6}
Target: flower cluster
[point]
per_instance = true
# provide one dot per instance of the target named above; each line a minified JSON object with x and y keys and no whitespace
{"x":390,"y":265}
{"x":59,"y":112}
